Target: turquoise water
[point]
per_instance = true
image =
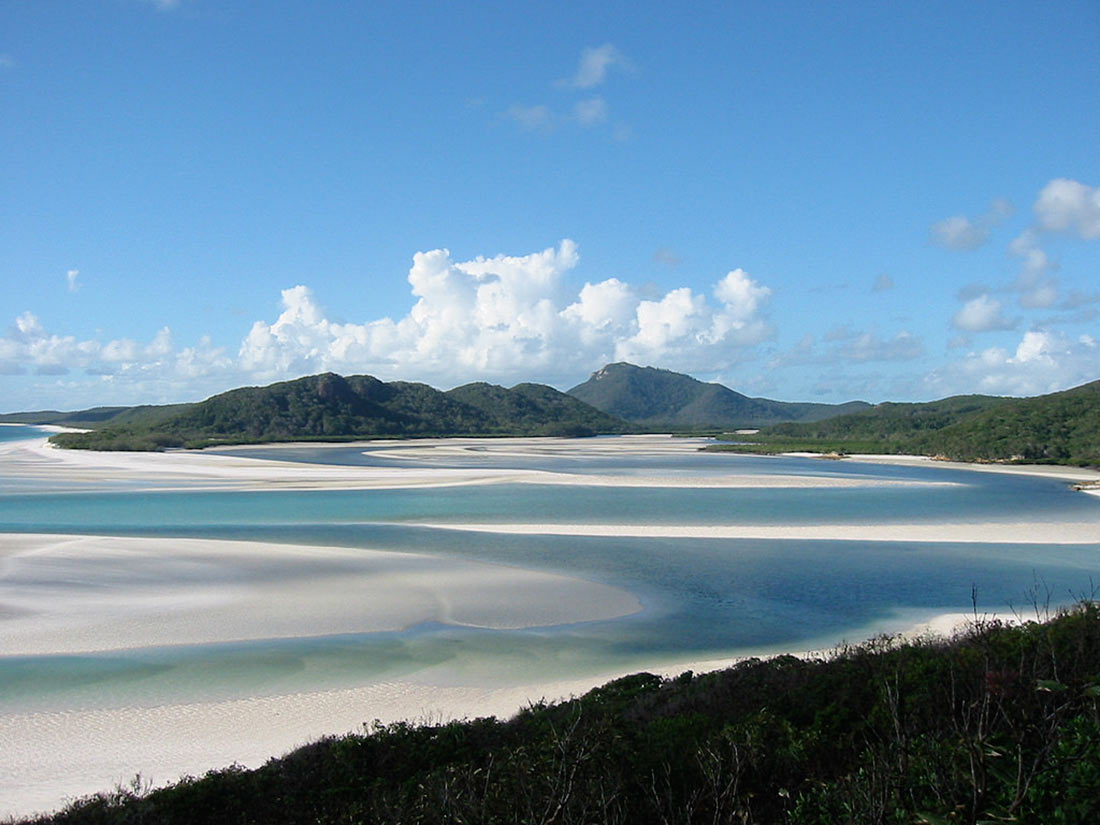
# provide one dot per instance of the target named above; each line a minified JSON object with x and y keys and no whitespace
{"x":21,"y":432}
{"x":702,"y":598}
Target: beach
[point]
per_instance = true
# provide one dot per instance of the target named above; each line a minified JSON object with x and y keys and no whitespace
{"x":73,"y":594}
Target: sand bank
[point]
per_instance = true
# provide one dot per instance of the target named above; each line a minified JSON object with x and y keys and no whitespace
{"x":986,"y":532}
{"x":213,"y":469}
{"x":69,"y":594}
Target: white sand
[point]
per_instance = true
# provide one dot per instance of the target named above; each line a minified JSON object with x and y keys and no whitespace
{"x":69,"y":594}
{"x":1026,"y":532}
{"x":211,"y":469}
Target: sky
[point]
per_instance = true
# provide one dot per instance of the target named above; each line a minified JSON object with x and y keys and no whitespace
{"x":800,"y":200}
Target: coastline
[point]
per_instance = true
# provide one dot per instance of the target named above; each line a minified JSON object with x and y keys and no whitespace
{"x":57,"y":756}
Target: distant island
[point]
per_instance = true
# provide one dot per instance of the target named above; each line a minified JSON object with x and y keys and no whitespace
{"x":1059,"y":428}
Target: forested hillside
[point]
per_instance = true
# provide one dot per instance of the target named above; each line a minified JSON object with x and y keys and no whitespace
{"x":1062,"y":427}
{"x":331,"y":407}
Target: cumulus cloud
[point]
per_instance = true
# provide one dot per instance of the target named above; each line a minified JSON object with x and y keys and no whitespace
{"x":960,"y":232}
{"x":1069,"y":206}
{"x":1042,"y":362}
{"x":29,"y":347}
{"x":1063,"y":206}
{"x":498,"y":318}
{"x":595,"y":62}
{"x":981,"y":314}
{"x":510,"y":317}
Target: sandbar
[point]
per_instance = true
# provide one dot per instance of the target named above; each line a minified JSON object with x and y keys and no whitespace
{"x":36,"y":460}
{"x":968,"y":532}
{"x":75,"y":594}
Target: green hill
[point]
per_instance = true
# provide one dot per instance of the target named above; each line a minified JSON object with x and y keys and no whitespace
{"x":998,"y":725}
{"x":332,"y":407}
{"x":657,"y":398}
{"x":1062,"y":428}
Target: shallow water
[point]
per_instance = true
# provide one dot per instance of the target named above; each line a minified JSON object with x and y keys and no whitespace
{"x":703,"y":598}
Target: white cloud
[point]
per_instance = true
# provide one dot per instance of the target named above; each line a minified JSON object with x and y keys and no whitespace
{"x":1069,"y":206}
{"x":513,"y":317}
{"x":594,"y":65}
{"x":502,"y":318}
{"x":981,"y":314}
{"x":1042,"y":362}
{"x":71,"y":277}
{"x":962,"y":233}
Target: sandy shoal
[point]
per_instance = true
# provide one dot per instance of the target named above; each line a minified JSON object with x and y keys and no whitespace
{"x":987,"y":532}
{"x":69,"y":594}
{"x":212,"y":469}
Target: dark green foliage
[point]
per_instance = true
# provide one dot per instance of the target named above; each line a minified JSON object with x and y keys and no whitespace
{"x":330,"y":407}
{"x":1061,"y":428}
{"x":97,"y":416}
{"x":1000,"y":724}
{"x":661,"y":399}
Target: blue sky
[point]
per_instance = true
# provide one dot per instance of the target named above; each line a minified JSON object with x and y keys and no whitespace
{"x":806,"y":201}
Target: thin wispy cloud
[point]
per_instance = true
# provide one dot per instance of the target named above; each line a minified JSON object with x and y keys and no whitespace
{"x":70,"y":279}
{"x":883,"y":283}
{"x":591,"y":111}
{"x":595,"y":63}
{"x":530,"y":118}
{"x":587,"y":112}
{"x":963,"y":233}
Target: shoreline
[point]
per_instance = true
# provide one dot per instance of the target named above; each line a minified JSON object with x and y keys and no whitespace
{"x":57,"y":756}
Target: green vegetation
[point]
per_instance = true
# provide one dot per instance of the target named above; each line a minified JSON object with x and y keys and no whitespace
{"x":1061,"y":428}
{"x":1001,"y":724}
{"x":662,"y":400}
{"x":330,"y":407}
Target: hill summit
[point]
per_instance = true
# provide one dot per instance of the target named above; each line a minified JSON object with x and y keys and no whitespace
{"x":652,"y":397}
